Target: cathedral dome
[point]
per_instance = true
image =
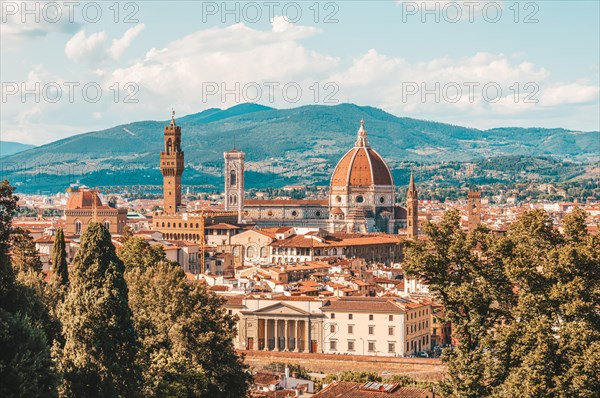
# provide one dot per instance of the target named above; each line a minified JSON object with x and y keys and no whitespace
{"x":361,"y":165}
{"x":82,"y":198}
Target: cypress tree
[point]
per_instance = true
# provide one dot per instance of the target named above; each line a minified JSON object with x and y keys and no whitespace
{"x":60,"y":275}
{"x":100,"y":342}
{"x":26,"y":369}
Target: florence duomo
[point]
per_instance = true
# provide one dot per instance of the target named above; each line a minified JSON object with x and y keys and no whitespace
{"x":361,"y":194}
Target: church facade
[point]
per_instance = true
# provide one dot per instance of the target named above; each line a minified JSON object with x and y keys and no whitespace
{"x":361,"y":197}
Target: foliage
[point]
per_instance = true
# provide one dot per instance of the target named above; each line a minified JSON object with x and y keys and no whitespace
{"x":98,"y":358}
{"x":137,"y":253}
{"x":359,"y":377}
{"x":60,"y":272}
{"x":523,"y":306}
{"x":186,"y":337}
{"x":26,"y":368}
{"x":300,"y":371}
{"x":25,"y":256}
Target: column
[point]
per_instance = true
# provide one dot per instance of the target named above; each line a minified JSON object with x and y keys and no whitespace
{"x":307,"y":335}
{"x":269,"y":334}
{"x":276,"y":334}
{"x":294,"y":335}
{"x":285,"y":334}
{"x":265,"y":340}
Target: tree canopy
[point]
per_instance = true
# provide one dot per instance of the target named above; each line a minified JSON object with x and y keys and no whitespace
{"x":523,"y":307}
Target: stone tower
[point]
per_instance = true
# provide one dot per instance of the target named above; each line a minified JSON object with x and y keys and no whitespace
{"x":412,"y":210}
{"x":234,"y":181}
{"x":171,"y":166}
{"x":474,"y":209}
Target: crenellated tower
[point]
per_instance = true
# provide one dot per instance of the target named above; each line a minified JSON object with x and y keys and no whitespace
{"x":412,"y":210}
{"x":171,"y":166}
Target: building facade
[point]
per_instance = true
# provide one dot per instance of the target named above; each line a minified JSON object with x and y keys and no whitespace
{"x":376,"y":326}
{"x":84,"y":206}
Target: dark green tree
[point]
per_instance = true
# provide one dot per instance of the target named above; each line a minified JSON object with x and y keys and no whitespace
{"x":26,"y":369}
{"x":186,"y":336}
{"x":524,"y":307}
{"x":137,"y":253}
{"x":60,"y":274}
{"x":25,"y":256}
{"x":100,"y":347}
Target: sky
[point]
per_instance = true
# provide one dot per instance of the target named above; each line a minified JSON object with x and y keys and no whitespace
{"x":73,"y":67}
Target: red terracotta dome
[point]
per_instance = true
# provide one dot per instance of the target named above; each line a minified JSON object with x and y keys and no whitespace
{"x":82,"y":198}
{"x":361,"y":165}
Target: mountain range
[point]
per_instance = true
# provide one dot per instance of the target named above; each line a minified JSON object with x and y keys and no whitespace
{"x":9,"y":148}
{"x":283,"y":146}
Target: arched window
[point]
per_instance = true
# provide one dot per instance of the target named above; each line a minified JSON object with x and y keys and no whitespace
{"x":250,"y":252}
{"x":232,"y":178}
{"x":263,"y":251}
{"x":169,"y":146}
{"x":106,"y":224}
{"x":77,"y":227}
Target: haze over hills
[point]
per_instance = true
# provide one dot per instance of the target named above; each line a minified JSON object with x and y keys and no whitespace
{"x":299,"y":145}
{"x":9,"y":148}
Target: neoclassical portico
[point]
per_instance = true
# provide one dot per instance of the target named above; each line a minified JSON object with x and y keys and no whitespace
{"x":281,"y":327}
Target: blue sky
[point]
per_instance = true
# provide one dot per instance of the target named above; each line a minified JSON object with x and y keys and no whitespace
{"x":531,"y":64}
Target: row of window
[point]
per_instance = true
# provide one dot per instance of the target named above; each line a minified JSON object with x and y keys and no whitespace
{"x":175,"y":225}
{"x":418,"y":326}
{"x":419,"y":313}
{"x":371,"y":346}
{"x":78,"y":226}
{"x":371,"y":317}
{"x":333,"y":329}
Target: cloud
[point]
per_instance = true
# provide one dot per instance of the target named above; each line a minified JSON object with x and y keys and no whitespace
{"x":119,"y":46}
{"x":229,"y":57}
{"x":94,"y":49}
{"x":43,"y":18}
{"x":86,"y":48}
{"x":475,"y":88}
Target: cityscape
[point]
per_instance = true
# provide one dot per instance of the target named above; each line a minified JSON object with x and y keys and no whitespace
{"x":243,"y":247}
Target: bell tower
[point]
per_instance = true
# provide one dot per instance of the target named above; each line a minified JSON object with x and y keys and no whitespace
{"x":234,"y":181}
{"x":171,"y":166}
{"x":474,"y":209}
{"x":412,"y":210}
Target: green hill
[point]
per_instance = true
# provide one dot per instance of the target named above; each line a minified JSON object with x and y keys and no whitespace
{"x":9,"y":148}
{"x":299,"y":145}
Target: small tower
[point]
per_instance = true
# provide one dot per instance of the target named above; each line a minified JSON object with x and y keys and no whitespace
{"x":234,"y":181}
{"x":474,"y":209}
{"x":171,"y":166}
{"x":412,"y":210}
